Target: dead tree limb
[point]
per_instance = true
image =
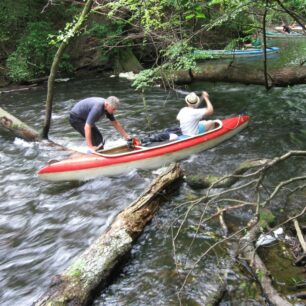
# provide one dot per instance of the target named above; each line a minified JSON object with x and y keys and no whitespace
{"x":257,"y":265}
{"x":17,"y":127}
{"x":256,"y":199}
{"x":300,"y":235}
{"x":75,"y":285}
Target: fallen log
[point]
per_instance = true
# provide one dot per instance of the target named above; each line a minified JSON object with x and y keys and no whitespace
{"x":242,"y":73}
{"x":75,"y":285}
{"x":259,"y":269}
{"x":17,"y":127}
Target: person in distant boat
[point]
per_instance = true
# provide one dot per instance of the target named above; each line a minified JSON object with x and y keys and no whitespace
{"x":85,"y":114}
{"x":255,"y":42}
{"x":191,"y":117}
{"x":286,"y":29}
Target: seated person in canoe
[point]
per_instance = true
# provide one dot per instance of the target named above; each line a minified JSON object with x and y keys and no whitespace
{"x":190,"y":118}
{"x":85,"y":114}
{"x":255,"y":42}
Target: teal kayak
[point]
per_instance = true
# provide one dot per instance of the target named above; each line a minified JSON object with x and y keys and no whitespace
{"x":207,"y":54}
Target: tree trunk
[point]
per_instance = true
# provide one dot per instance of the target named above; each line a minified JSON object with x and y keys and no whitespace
{"x":239,"y":73}
{"x":69,"y":36}
{"x":76,"y":284}
{"x":17,"y":127}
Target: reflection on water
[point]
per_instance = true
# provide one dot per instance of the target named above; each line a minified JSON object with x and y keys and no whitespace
{"x":44,"y":226}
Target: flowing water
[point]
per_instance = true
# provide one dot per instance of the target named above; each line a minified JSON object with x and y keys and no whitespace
{"x":44,"y":226}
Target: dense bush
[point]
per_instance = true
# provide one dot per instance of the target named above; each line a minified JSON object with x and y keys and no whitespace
{"x":34,"y":54}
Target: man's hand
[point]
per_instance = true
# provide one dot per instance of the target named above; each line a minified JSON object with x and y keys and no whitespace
{"x":205,"y":95}
{"x":130,"y":143}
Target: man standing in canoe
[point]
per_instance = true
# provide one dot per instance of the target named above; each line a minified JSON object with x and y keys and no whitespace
{"x":85,"y":114}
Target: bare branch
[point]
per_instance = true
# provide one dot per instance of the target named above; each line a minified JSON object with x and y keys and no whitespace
{"x":281,"y":185}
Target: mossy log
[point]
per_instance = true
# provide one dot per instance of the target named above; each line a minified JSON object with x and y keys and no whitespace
{"x":241,"y":73}
{"x":198,"y":181}
{"x":17,"y":127}
{"x":93,"y":267}
{"x":258,"y":267}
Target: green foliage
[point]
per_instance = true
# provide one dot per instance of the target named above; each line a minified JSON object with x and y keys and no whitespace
{"x":33,"y":55}
{"x":18,"y":67}
{"x":24,"y":36}
{"x":63,"y":36}
{"x":107,"y":35}
{"x":150,"y":16}
{"x":194,"y":11}
{"x":13,"y":15}
{"x":172,"y":26}
{"x":145,"y":79}
{"x":178,"y":56}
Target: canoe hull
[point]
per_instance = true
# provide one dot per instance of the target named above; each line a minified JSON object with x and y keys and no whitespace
{"x":217,"y":54}
{"x":93,"y":166}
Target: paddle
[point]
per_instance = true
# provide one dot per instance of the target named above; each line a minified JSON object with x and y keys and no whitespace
{"x":183,"y":92}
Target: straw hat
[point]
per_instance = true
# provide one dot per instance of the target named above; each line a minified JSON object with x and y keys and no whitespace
{"x":192,"y":99}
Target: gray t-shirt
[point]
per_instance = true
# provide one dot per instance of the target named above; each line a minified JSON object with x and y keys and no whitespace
{"x":91,"y":110}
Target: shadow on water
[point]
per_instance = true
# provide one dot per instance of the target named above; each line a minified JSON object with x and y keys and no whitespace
{"x":44,"y":225}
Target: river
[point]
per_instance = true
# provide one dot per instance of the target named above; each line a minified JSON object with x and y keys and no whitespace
{"x":44,"y":226}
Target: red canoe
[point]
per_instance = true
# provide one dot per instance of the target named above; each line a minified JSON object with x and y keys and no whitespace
{"x":121,"y":159}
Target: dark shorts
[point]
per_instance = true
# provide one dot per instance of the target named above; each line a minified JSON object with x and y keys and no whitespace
{"x":79,"y":124}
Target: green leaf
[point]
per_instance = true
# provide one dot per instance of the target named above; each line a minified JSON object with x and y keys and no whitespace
{"x":200,"y":16}
{"x":188,"y":17}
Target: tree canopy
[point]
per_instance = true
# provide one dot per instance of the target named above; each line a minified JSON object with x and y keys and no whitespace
{"x":160,"y":33}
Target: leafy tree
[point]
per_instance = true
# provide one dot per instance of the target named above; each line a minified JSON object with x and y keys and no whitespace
{"x":24,"y":37}
{"x":33,"y":55}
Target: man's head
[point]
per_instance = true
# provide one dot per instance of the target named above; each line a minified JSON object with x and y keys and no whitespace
{"x":112,"y":104}
{"x":192,"y":100}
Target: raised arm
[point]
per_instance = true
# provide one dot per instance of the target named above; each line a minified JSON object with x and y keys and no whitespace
{"x":209,"y":110}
